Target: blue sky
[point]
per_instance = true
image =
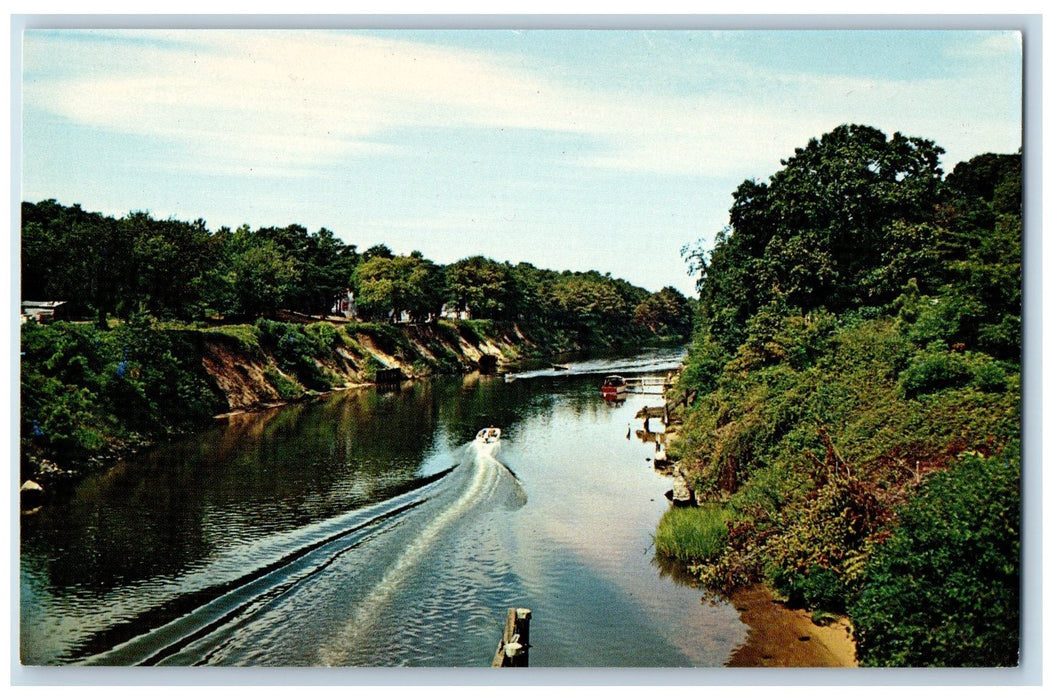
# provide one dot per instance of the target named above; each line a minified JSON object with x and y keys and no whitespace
{"x":606,"y":150}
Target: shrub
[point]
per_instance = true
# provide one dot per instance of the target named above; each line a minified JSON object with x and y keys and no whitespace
{"x":287,"y":388}
{"x":943,"y":590}
{"x":819,"y":588}
{"x":932,"y":370}
{"x":296,"y":349}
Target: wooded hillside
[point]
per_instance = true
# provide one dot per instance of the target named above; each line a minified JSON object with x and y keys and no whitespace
{"x":857,"y":363}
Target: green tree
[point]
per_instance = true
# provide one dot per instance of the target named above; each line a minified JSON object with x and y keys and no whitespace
{"x":75,"y":256}
{"x":481,"y":286}
{"x":834,"y":228}
{"x":665,"y":313}
{"x":167,"y":259}
{"x":387,"y":287}
{"x":255,"y":275}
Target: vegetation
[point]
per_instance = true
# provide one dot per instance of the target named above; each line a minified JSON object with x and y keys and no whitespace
{"x":944,"y":590}
{"x":84,"y":390}
{"x":105,"y":268}
{"x":691,"y":534}
{"x":155,"y":293}
{"x":856,"y":362}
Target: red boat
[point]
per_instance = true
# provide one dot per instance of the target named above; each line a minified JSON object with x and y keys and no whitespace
{"x":613,"y":388}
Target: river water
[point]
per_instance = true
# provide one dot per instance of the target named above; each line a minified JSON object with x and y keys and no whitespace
{"x":369,"y":529}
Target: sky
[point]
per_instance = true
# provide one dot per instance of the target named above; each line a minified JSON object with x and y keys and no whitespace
{"x":569,"y":149}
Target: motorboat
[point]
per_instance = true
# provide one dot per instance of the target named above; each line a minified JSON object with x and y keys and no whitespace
{"x":488,"y":436}
{"x":614,"y":388}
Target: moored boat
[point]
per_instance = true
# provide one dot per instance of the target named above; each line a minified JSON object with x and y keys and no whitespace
{"x":614,"y":387}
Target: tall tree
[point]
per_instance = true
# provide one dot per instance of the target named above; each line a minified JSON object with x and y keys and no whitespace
{"x":481,"y":286}
{"x":667,"y":312}
{"x":389,"y":286}
{"x":833,"y":228}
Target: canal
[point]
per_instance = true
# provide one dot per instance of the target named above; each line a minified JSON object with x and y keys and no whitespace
{"x":367,"y":529}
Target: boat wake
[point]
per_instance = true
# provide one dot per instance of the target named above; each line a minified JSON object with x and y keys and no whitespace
{"x":346,"y":570}
{"x":661,"y":361}
{"x":488,"y":482}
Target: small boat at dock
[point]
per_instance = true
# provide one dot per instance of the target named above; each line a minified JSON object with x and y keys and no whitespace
{"x":488,"y":436}
{"x":560,"y":368}
{"x":613,"y":388}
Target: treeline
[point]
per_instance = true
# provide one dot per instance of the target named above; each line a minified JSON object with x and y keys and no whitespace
{"x":856,"y":368}
{"x":105,"y":267}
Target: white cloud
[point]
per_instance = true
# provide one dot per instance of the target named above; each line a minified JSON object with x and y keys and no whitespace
{"x":295,"y":102}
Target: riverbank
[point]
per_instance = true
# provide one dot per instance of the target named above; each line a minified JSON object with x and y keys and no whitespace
{"x":779,"y":636}
{"x":90,"y":395}
{"x":782,"y":637}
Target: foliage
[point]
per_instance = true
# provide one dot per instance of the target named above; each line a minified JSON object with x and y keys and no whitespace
{"x":943,"y":590}
{"x":173,"y":269}
{"x":386,"y":287}
{"x":666,"y":313}
{"x":843,"y":214}
{"x":297,"y":349}
{"x":858,"y":331}
{"x":288,"y":389}
{"x":83,"y":388}
{"x":482,"y":287}
{"x":104,"y":267}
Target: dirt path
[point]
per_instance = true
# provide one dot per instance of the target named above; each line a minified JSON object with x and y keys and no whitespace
{"x":785,"y":638}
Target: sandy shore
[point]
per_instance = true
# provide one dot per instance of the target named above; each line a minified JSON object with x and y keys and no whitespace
{"x":786,"y":638}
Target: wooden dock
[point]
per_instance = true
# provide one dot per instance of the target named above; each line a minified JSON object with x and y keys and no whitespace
{"x":513,"y":649}
{"x":389,"y":376}
{"x":647,"y":385}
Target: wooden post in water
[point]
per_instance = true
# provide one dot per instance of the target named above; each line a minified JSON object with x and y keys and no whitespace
{"x":514,"y":647}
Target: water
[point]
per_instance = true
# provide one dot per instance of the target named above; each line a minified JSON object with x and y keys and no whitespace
{"x":368,"y":529}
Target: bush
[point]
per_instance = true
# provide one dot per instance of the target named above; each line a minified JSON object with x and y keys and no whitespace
{"x":932,"y":370}
{"x":287,"y":389}
{"x":83,"y":388}
{"x":296,"y":348}
{"x":943,"y":590}
{"x":817,"y":589}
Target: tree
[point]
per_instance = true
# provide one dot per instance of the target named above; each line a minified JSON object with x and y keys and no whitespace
{"x":74,"y":256}
{"x":665,"y":313}
{"x":254,"y":275}
{"x":393,"y":285}
{"x":167,"y":261}
{"x":481,"y":286}
{"x":833,"y":228}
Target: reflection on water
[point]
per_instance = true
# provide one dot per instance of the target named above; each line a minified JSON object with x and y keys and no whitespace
{"x":367,"y":529}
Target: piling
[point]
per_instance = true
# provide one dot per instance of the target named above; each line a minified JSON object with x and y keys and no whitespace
{"x":513,"y":649}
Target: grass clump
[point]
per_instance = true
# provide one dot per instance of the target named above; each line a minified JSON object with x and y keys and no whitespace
{"x":692,"y":534}
{"x":247,"y":336}
{"x":288,"y":389}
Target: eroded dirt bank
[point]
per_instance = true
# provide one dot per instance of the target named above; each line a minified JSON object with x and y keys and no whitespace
{"x":259,"y":374}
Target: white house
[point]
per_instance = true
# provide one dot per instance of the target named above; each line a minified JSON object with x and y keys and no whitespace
{"x":344,"y":305}
{"x":40,"y":311}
